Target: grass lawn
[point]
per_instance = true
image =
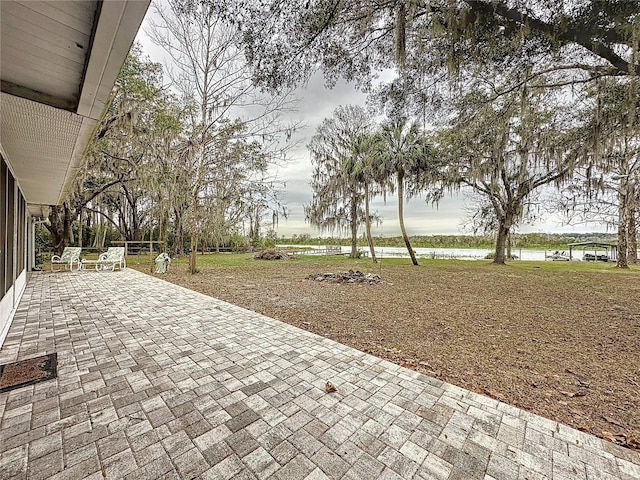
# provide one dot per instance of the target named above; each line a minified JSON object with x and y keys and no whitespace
{"x":556,"y":338}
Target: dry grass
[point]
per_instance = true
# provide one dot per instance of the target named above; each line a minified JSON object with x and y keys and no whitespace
{"x":562,"y":341}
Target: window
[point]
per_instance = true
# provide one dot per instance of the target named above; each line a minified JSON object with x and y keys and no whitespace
{"x":11,"y":230}
{"x":21,"y":234}
{"x":3,"y":226}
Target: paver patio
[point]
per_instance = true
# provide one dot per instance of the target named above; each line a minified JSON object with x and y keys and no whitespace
{"x":157,"y":381}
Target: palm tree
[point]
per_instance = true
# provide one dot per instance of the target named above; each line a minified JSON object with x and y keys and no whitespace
{"x":367,"y":172}
{"x":337,"y":189}
{"x":403,"y":151}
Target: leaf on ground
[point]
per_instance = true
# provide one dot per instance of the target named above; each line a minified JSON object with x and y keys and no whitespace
{"x":612,"y":421}
{"x":573,"y":394}
{"x":329,"y":388}
{"x":495,"y":394}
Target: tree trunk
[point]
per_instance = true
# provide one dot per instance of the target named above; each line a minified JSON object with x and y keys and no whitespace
{"x":103,"y":240}
{"x":136,"y":234}
{"x":405,"y":237}
{"x":193,"y":232}
{"x":501,"y":242}
{"x":632,"y":235}
{"x":368,"y":223}
{"x":192,"y":254}
{"x":178,"y":240}
{"x":97,"y":228}
{"x":59,"y":227}
{"x":509,"y":255}
{"x":503,"y":236}
{"x":80,"y":229}
{"x":354,"y":227}
{"x":623,"y":221}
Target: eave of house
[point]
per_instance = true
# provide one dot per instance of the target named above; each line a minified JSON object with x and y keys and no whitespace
{"x":58,"y":63}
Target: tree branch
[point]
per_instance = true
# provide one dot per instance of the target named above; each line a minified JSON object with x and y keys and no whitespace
{"x":580,"y":36}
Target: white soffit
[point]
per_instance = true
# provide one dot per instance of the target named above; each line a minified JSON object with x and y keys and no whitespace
{"x":58,"y":67}
{"x":36,"y":138}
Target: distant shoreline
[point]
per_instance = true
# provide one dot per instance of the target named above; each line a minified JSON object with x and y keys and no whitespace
{"x":532,"y":241}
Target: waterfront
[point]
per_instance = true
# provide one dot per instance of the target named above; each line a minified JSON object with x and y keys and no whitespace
{"x":440,"y":253}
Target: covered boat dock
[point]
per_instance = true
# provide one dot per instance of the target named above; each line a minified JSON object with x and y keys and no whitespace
{"x":595,"y":251}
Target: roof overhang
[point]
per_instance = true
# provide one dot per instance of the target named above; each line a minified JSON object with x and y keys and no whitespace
{"x":593,"y":244}
{"x":58,"y":63}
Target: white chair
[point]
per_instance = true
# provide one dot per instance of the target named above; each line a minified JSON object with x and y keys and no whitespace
{"x":112,"y":258}
{"x":70,"y":255}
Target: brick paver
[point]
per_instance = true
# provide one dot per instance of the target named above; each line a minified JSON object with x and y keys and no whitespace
{"x":157,"y":381}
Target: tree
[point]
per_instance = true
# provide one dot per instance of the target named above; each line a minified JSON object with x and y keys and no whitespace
{"x":507,"y":150}
{"x":404,"y":153}
{"x":337,"y":181}
{"x":59,"y":226}
{"x":371,"y":176}
{"x":121,"y":158}
{"x":606,"y":189}
{"x":616,"y":129}
{"x":212,"y":75}
{"x":588,"y":39}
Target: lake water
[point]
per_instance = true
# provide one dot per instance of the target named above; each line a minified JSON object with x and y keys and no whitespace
{"x":445,"y":253}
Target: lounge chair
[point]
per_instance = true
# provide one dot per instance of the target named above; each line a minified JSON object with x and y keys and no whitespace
{"x":112,"y":258}
{"x":70,"y":255}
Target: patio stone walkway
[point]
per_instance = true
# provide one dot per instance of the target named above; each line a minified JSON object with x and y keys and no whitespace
{"x":157,"y":381}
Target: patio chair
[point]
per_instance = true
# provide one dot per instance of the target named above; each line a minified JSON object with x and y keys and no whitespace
{"x":112,"y":258}
{"x":70,"y":255}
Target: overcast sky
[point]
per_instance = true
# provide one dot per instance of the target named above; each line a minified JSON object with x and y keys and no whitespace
{"x":318,"y":103}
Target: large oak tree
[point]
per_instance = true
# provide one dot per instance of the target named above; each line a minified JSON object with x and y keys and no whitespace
{"x":506,"y":151}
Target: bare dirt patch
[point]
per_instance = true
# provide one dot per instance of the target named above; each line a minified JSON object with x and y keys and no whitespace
{"x":563,"y":344}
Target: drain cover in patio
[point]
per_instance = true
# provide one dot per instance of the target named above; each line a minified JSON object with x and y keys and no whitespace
{"x":27,"y":372}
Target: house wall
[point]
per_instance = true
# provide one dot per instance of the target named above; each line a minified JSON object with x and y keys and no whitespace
{"x":13,"y":237}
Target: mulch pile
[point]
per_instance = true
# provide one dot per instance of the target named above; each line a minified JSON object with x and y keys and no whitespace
{"x":352,"y":276}
{"x":272,"y":255}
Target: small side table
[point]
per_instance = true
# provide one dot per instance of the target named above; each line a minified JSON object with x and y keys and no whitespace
{"x":88,"y":263}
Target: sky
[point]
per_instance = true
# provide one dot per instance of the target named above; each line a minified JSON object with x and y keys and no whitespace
{"x":316,"y":102}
